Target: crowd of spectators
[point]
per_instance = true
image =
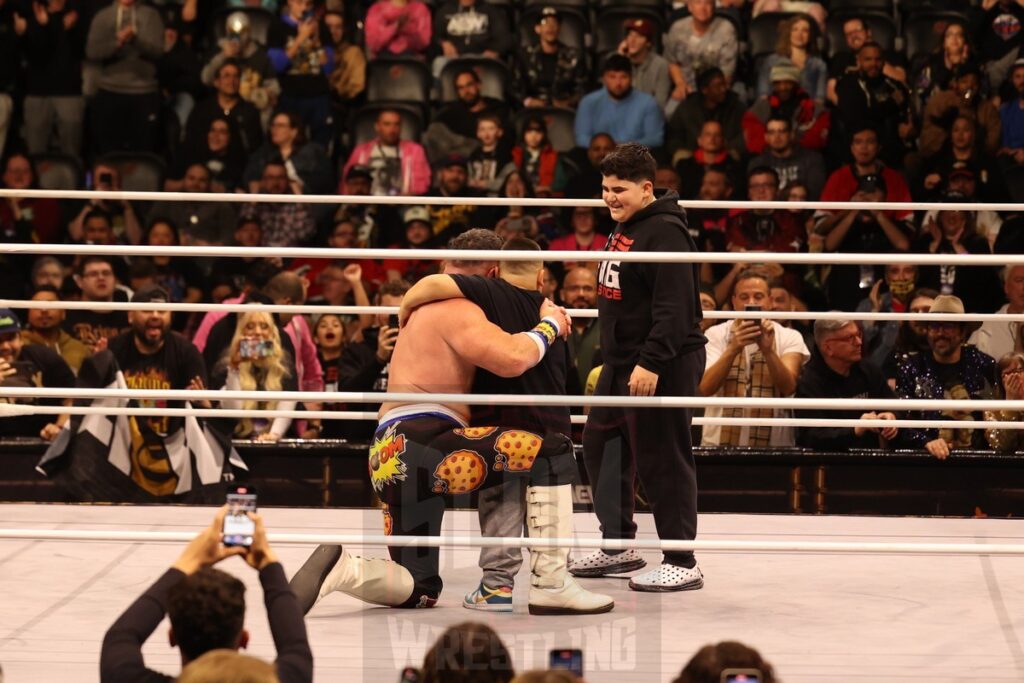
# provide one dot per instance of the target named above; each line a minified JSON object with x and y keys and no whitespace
{"x":313,"y":96}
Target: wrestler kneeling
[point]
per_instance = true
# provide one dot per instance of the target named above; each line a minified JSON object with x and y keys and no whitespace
{"x":425,"y":452}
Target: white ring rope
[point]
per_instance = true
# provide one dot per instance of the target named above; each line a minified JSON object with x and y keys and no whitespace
{"x":309,"y":309}
{"x":461,"y":541}
{"x":14,"y":409}
{"x":237,"y":198}
{"x":895,"y":404}
{"x":755,"y":257}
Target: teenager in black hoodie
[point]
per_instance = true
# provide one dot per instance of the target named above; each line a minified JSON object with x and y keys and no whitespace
{"x":652,"y":344}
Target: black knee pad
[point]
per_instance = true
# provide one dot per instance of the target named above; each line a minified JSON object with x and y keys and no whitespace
{"x":556,"y":463}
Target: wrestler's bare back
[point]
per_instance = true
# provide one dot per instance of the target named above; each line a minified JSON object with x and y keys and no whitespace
{"x":441,"y":346}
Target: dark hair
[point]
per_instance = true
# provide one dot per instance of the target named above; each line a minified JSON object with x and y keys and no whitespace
{"x":706,"y":666}
{"x":464,"y":71}
{"x":706,"y":288}
{"x":227,"y":62}
{"x":394,"y":288}
{"x":260,"y":273}
{"x":94,"y":258}
{"x":295,"y":121}
{"x":97,"y":213}
{"x":475,"y":239}
{"x":763,"y":170}
{"x":749,"y":274}
{"x":285,"y":284}
{"x":617,"y":62}
{"x":207,"y":610}
{"x":45,"y":288}
{"x":705,"y":76}
{"x":468,"y":653}
{"x":142,"y":267}
{"x":630,"y":161}
{"x":162,"y":221}
{"x":783,"y":119}
{"x":871,"y":44}
{"x":861,"y":126}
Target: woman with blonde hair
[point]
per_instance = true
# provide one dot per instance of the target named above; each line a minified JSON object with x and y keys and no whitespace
{"x":797,"y":45}
{"x":256,"y":361}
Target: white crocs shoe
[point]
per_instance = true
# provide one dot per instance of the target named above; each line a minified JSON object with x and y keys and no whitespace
{"x":600,"y":563}
{"x":668,"y":578}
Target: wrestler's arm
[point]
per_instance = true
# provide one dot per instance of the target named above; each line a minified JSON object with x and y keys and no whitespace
{"x":478,"y":341}
{"x":428,"y":290}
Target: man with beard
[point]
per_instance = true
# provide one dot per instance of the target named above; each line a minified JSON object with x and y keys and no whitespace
{"x":397,"y":166}
{"x":551,"y":74}
{"x":453,"y":181}
{"x":579,"y":290}
{"x":948,"y":370}
{"x":619,"y":110}
{"x":808,"y":118}
{"x":453,"y":130}
{"x":868,"y":97}
{"x":153,"y":358}
{"x":652,"y":345}
{"x":44,"y":328}
{"x":795,"y":164}
{"x":30,"y":365}
{"x":713,"y":101}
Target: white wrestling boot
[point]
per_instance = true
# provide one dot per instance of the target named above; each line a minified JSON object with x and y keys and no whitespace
{"x":552,"y":590}
{"x":330,"y":568}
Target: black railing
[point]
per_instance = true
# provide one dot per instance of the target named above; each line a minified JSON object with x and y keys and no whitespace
{"x":332,"y":473}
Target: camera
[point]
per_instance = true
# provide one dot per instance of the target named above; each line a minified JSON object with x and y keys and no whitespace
{"x":238,"y":528}
{"x":870,"y":182}
{"x":106,"y":178}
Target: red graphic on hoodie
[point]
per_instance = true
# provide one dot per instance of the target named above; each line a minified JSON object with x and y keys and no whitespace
{"x":608,"y":273}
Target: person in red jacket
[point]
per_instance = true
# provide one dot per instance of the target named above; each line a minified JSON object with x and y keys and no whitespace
{"x":535,"y":157}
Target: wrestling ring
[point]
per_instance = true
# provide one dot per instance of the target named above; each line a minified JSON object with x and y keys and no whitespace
{"x":823,"y":598}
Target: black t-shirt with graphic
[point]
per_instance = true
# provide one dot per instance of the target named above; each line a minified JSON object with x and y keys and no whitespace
{"x":37,"y":366}
{"x":89,"y":326}
{"x":518,"y":310}
{"x":172,"y":367}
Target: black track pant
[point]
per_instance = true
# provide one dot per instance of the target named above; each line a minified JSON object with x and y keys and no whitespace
{"x":654,"y":443}
{"x":418,"y":462}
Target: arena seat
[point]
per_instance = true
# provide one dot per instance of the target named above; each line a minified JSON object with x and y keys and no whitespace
{"x":763,"y":32}
{"x":494,"y":77}
{"x":362,"y":123}
{"x":260,"y":21}
{"x":140,"y":171}
{"x":883,"y":29}
{"x":609,"y":27}
{"x":399,"y":80}
{"x":57,"y":171}
{"x":575,"y":27}
{"x":560,"y":122}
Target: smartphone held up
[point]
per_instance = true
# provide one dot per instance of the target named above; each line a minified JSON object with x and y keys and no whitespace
{"x":239,"y":528}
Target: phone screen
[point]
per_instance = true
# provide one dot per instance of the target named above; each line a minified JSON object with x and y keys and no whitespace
{"x":393,"y":321}
{"x":569,"y":659}
{"x":238,"y":528}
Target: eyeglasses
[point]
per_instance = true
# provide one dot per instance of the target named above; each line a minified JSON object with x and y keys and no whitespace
{"x":848,"y":338}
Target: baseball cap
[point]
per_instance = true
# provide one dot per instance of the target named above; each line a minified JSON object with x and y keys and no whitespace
{"x":8,"y":321}
{"x":416,"y":213}
{"x":359,"y":171}
{"x":549,"y":12}
{"x":644,"y":27}
{"x":961,"y":170}
{"x":453,"y":160}
{"x":150,"y":294}
{"x":785,"y":71}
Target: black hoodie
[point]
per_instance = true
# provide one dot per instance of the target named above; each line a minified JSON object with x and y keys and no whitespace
{"x":650,"y":312}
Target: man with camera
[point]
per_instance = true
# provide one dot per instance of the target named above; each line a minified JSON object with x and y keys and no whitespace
{"x":868,"y":231}
{"x":752,"y":358}
{"x":206,"y":608}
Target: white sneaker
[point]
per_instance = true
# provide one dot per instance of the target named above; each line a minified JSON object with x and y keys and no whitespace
{"x":668,"y":578}
{"x":600,"y":563}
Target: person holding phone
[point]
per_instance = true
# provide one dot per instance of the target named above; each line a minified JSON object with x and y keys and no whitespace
{"x":256,"y":360}
{"x":754,"y":358}
{"x":30,"y":365}
{"x":206,"y":608}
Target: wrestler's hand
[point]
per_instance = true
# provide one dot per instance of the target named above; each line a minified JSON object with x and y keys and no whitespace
{"x":548,"y":309}
{"x":642,"y":382}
